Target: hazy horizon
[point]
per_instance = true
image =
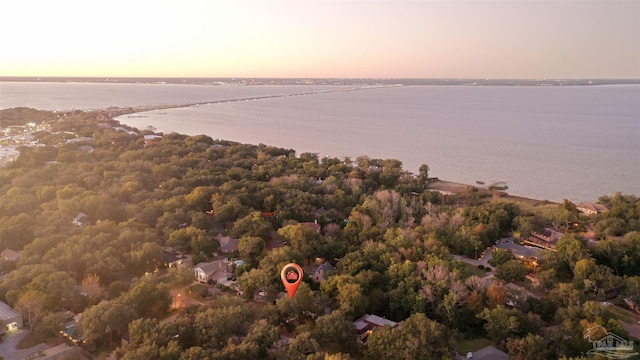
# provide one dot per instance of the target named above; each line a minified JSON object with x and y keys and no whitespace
{"x":322,"y":39}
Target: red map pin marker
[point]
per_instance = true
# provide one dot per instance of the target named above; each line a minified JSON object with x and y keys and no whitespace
{"x":291,"y":275}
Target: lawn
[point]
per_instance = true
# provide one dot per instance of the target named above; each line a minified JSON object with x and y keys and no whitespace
{"x":471,"y":270}
{"x":471,"y":345}
{"x":195,"y":291}
{"x":623,"y":315}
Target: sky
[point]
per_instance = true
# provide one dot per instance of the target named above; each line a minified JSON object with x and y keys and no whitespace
{"x":321,"y":38}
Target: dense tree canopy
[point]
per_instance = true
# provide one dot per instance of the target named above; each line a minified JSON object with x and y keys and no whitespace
{"x":92,"y":215}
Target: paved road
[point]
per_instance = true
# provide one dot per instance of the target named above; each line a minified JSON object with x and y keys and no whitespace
{"x":483,"y":260}
{"x":10,"y":340}
{"x":632,"y":329}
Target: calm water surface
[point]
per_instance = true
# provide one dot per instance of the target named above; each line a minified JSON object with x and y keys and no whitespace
{"x":546,"y":142}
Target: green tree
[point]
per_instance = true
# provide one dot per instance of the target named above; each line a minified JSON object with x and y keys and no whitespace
{"x":423,"y":175}
{"x":501,"y":256}
{"x":352,"y":301}
{"x":193,"y":239}
{"x":417,"y":337}
{"x":253,"y":224}
{"x":336,"y":331}
{"x":300,"y":347}
{"x":215,"y":326}
{"x":106,"y":323}
{"x":512,"y":271}
{"x":530,"y":347}
{"x":263,"y":335}
{"x":31,"y":304}
{"x":251,"y":249}
{"x":148,"y":297}
{"x":17,"y":231}
{"x":301,"y":238}
{"x":501,"y":323}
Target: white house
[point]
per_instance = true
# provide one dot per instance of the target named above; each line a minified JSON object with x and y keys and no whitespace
{"x":80,"y":219}
{"x":216,"y":271}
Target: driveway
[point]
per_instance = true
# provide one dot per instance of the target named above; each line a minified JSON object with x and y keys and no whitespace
{"x":632,"y":329}
{"x":8,"y":349}
{"x":487,"y":254}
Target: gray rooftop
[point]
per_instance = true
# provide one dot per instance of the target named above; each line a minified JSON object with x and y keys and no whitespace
{"x":7,"y":312}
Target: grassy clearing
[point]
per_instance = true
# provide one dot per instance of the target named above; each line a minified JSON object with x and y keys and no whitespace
{"x":471,"y":345}
{"x":195,"y":291}
{"x":623,"y":315}
{"x":471,"y":270}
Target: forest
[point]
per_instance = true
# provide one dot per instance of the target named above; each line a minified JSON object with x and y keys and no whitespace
{"x":396,"y":245}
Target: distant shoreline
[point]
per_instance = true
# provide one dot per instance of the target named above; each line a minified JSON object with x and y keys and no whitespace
{"x":446,"y":187}
{"x":324,"y":81}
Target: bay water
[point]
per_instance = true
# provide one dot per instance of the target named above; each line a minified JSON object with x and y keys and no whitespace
{"x":574,"y":142}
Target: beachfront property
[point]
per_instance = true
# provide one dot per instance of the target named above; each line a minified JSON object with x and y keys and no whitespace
{"x":547,"y":239}
{"x":589,"y":208}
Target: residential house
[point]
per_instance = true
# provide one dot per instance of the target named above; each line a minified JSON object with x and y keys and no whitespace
{"x":547,"y":239}
{"x":590,"y":208}
{"x":10,"y":255}
{"x":9,"y":318}
{"x":488,"y":353}
{"x":319,"y":212}
{"x":80,"y":140}
{"x":149,"y":139}
{"x":129,"y":132}
{"x":368,"y":323}
{"x":173,"y":258}
{"x":80,"y":219}
{"x":517,"y":293}
{"x":8,"y":152}
{"x":527,"y":254}
{"x":86,"y":148}
{"x":313,"y":224}
{"x":322,"y":272}
{"x":214,"y":272}
{"x":228,"y":244}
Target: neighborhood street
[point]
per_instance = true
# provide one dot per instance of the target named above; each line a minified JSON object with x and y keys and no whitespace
{"x":10,"y":341}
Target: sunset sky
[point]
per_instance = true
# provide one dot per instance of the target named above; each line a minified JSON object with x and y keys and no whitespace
{"x":313,"y":38}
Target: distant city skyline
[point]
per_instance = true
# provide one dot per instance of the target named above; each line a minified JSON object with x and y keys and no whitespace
{"x":516,"y":39}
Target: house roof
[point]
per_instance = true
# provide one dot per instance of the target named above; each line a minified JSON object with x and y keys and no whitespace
{"x":372,"y":321}
{"x":314,"y":225}
{"x":548,"y":236}
{"x":490,"y":353}
{"x":7,"y":312}
{"x":321,"y":211}
{"x":208,"y":267}
{"x":170,"y":256}
{"x":228,"y":244}
{"x":9,"y":254}
{"x":326,"y":266}
{"x":593,"y":207}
